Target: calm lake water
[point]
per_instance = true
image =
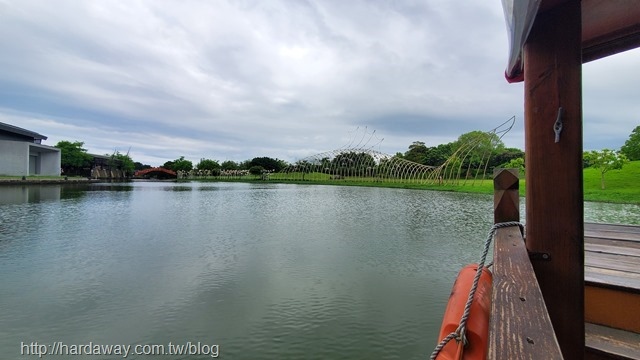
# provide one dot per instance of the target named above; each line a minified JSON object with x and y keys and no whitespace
{"x":264,"y":271}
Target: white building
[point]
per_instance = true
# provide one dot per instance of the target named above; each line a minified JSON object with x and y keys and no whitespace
{"x":22,"y":153}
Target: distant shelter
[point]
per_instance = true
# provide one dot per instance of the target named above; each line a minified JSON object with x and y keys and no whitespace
{"x":23,"y":153}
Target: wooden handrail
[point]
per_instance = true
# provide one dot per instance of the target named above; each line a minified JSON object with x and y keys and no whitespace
{"x":520,"y":327}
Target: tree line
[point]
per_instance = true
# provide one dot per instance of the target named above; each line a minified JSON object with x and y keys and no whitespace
{"x":255,"y":166}
{"x":74,"y":160}
{"x":484,"y":151}
{"x":488,"y":152}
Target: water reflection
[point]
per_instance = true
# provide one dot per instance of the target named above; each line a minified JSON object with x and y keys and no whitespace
{"x":268,"y":271}
{"x":21,"y":194}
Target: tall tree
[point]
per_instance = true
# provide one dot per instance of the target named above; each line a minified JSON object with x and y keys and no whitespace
{"x":229,"y":165}
{"x":417,"y":152}
{"x":208,"y":164}
{"x":504,"y":156}
{"x":168,"y":165}
{"x":256,"y":170}
{"x":604,"y":161}
{"x":475,"y":149}
{"x":631,"y":147}
{"x":180,"y":164}
{"x":517,"y":163}
{"x":437,"y":155}
{"x":123,"y":162}
{"x":73,"y":156}
{"x":268,"y":163}
{"x":481,"y":144}
{"x":353,"y":163}
{"x":140,"y":166}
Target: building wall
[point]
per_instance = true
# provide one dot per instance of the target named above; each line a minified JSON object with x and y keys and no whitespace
{"x":15,"y":158}
{"x":21,"y":158}
{"x":50,"y":159}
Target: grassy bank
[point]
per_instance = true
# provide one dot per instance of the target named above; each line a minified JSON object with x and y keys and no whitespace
{"x":622,"y":186}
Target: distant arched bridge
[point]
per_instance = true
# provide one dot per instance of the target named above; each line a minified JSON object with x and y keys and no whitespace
{"x":157,"y":172}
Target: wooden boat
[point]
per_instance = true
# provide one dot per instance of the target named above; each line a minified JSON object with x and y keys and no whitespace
{"x":548,"y":302}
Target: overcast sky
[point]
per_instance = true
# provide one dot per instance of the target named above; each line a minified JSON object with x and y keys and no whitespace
{"x":233,"y":80}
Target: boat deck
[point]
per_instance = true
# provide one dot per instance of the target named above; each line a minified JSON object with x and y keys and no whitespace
{"x":612,"y":255}
{"x":612,"y":291}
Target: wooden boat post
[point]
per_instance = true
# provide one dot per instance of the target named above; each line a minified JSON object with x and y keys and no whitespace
{"x":554,"y":214}
{"x":565,"y":34}
{"x":506,"y":195}
{"x":519,"y":326}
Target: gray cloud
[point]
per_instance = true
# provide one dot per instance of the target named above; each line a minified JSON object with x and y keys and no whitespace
{"x":287,"y":79}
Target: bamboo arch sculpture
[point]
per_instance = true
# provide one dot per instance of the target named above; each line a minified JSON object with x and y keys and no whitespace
{"x":363,"y":163}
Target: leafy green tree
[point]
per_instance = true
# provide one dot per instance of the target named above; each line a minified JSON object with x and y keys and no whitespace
{"x":123,"y":162}
{"x":180,"y":164}
{"x":437,"y":155}
{"x":256,"y":170}
{"x":353,"y":163}
{"x":268,"y":163}
{"x":481,"y":144}
{"x":229,"y":165}
{"x":475,"y":150}
{"x":208,"y":164}
{"x":211,"y":165}
{"x":504,"y":156}
{"x":517,"y":163}
{"x":168,"y":165}
{"x":631,"y":147}
{"x":140,"y":166}
{"x":245,"y":165}
{"x":417,"y":152}
{"x":604,"y":161}
{"x":73,"y":156}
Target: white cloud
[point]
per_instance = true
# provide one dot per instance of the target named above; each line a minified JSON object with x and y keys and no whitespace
{"x":239,"y":79}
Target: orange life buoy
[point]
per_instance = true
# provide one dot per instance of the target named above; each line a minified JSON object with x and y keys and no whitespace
{"x":477,"y":328}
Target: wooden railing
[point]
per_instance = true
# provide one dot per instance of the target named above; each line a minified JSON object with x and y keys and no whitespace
{"x":520,"y":327}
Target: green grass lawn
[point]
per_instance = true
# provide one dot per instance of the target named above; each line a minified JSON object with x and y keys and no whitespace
{"x":622,"y":186}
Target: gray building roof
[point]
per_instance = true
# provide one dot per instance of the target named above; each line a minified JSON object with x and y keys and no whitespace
{"x":6,"y":128}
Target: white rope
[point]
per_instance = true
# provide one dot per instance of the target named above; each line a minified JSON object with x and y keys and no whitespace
{"x":460,"y":333}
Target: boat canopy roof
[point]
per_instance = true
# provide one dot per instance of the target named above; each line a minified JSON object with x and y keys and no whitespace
{"x":608,"y":27}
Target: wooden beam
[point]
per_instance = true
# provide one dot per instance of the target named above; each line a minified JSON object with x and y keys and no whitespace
{"x":555,"y":225}
{"x":609,"y":27}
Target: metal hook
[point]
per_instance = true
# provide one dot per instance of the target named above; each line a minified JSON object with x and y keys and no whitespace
{"x":557,"y":126}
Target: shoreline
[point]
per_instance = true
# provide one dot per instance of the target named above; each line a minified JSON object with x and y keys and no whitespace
{"x":46,"y":181}
{"x":478,"y":188}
